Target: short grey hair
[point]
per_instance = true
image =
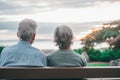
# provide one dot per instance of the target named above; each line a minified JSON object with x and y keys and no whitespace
{"x":63,"y":36}
{"x":26,"y":29}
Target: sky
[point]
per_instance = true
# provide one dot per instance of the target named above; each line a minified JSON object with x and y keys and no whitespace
{"x":60,"y":10}
{"x":56,"y":11}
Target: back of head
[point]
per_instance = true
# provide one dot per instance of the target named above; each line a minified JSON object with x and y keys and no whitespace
{"x":63,"y":36}
{"x":26,"y":29}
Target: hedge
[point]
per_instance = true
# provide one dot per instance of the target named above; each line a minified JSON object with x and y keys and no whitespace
{"x":97,"y":55}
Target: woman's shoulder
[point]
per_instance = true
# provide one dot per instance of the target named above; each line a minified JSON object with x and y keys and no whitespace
{"x":53,"y":53}
{"x":78,"y":55}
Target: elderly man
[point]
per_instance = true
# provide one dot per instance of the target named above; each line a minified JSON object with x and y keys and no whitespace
{"x":23,"y":54}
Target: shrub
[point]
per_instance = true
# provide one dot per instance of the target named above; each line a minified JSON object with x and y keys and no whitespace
{"x":1,"y":48}
{"x":109,"y":54}
{"x":97,"y":55}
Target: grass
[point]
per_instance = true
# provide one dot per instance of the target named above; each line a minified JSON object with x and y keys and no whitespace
{"x":98,"y":64}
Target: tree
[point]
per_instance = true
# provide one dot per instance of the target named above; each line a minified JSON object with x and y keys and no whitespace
{"x":115,"y":43}
{"x":105,"y":32}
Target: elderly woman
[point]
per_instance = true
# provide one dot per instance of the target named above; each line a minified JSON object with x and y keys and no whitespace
{"x":65,"y":56}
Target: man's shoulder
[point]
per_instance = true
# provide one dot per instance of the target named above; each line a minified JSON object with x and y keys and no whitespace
{"x":36,"y":50}
{"x":9,"y":47}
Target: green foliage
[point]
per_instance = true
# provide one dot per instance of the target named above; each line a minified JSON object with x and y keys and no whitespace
{"x":115,"y":43}
{"x":97,"y":36}
{"x":1,"y":48}
{"x":109,"y":54}
{"x":98,"y":64}
{"x":94,"y":55}
{"x":105,"y":33}
{"x":97,"y":55}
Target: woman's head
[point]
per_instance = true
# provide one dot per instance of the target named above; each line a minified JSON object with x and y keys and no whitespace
{"x":63,"y":36}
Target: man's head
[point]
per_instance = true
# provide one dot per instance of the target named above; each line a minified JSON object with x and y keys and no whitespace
{"x":27,"y":30}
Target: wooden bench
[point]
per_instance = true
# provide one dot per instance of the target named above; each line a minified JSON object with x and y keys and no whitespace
{"x":58,"y":72}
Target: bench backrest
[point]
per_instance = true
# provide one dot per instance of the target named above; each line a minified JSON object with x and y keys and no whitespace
{"x":58,"y":72}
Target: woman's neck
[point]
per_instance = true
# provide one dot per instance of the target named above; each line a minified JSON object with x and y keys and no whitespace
{"x":68,"y":48}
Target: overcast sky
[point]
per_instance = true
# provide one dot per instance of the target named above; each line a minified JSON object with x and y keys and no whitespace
{"x":80,"y":15}
{"x":60,"y":10}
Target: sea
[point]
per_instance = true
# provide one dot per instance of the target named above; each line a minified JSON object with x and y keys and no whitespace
{"x":41,"y":44}
{"x":45,"y":32}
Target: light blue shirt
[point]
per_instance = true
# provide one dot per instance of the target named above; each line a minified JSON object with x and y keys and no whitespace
{"x":22,"y":54}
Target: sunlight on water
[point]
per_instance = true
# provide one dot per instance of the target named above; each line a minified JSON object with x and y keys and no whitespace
{"x":41,"y":44}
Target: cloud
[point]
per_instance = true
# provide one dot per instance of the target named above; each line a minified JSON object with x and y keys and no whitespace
{"x":11,"y":7}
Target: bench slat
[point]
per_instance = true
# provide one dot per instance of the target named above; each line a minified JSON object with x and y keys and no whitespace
{"x":58,"y":72}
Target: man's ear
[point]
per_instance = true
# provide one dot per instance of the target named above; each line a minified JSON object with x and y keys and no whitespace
{"x":33,"y":38}
{"x":17,"y":34}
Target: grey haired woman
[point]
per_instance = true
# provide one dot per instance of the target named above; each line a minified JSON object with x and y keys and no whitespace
{"x":65,"y":56}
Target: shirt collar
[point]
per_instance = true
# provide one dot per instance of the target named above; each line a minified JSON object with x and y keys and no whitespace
{"x":63,"y":50}
{"x":24,"y":43}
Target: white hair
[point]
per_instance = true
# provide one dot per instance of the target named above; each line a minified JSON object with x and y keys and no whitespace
{"x":63,"y":36}
{"x":26,"y":29}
